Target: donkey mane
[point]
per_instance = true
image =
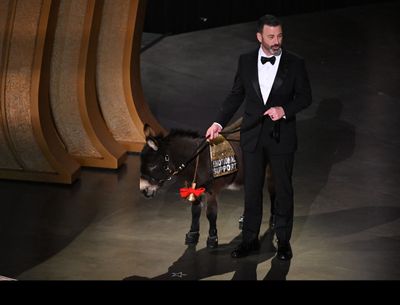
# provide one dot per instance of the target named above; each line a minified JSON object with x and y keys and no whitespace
{"x":180,"y":133}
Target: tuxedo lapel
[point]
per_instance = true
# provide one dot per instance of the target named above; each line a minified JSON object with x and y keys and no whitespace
{"x":281,"y":73}
{"x":253,"y":64}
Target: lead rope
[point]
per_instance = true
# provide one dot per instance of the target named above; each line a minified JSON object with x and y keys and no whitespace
{"x":195,"y":172}
{"x":191,"y":194}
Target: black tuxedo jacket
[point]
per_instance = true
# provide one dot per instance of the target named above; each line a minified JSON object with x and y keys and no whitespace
{"x":291,"y":90}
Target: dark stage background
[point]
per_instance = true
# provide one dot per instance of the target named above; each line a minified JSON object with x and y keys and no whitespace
{"x":180,"y":16}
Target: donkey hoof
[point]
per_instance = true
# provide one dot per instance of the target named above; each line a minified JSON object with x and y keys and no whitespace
{"x":212,"y":242}
{"x":192,"y":238}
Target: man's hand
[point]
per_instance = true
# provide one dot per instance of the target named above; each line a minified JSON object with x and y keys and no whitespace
{"x":275,"y":113}
{"x":213,"y":131}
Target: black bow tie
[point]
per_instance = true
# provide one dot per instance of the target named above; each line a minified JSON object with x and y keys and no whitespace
{"x":266,"y":59}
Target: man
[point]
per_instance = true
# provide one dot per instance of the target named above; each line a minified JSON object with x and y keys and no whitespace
{"x":274,"y":85}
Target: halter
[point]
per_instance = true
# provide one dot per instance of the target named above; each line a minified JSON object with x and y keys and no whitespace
{"x":166,"y":167}
{"x":183,"y":165}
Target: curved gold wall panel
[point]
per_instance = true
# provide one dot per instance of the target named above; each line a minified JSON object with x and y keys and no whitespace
{"x":30,"y":148}
{"x":70,"y":86}
{"x":7,"y":158}
{"x":118,"y":72}
{"x":73,"y":87}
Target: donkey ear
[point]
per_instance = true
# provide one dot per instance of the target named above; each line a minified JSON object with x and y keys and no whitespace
{"x":148,"y":131}
{"x":152,"y":143}
{"x":150,"y":137}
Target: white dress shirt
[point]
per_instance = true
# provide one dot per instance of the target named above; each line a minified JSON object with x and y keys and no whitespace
{"x":266,"y":74}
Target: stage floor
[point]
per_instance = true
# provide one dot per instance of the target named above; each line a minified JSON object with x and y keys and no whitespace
{"x":347,"y":172}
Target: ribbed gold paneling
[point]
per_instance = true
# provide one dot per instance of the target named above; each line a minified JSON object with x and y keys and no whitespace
{"x":72,"y":86}
{"x":19,"y":94}
{"x":118,"y":52}
{"x":30,"y":149}
{"x":7,"y":12}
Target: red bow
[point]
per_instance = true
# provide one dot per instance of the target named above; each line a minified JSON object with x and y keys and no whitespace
{"x":186,"y":191}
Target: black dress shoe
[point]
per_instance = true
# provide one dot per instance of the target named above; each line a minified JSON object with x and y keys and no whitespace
{"x":284,"y":252}
{"x":245,"y":248}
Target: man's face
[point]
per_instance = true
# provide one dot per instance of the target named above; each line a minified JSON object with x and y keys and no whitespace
{"x":271,"y":39}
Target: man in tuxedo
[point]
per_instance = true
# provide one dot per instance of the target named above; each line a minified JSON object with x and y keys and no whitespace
{"x":274,"y":85}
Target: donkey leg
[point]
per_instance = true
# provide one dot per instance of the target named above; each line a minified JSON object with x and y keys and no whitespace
{"x":192,"y":237}
{"x":212,"y":240}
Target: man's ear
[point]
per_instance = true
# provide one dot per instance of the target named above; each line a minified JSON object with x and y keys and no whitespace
{"x":259,"y":37}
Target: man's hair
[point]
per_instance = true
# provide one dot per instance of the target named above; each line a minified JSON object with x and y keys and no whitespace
{"x":269,"y":20}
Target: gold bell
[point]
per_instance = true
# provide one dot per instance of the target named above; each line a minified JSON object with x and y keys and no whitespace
{"x":192,"y":197}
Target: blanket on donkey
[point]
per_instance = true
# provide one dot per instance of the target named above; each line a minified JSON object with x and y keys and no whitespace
{"x":223,"y":158}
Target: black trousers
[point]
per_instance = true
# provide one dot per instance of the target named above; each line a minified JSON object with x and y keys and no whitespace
{"x":255,"y":164}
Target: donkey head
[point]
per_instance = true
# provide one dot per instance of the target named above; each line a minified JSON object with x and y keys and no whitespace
{"x":154,"y":163}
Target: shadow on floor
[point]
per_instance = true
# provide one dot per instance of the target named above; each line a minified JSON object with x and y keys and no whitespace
{"x":204,"y":263}
{"x":347,"y":222}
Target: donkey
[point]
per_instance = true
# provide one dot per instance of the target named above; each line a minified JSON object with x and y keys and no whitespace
{"x":161,"y":160}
